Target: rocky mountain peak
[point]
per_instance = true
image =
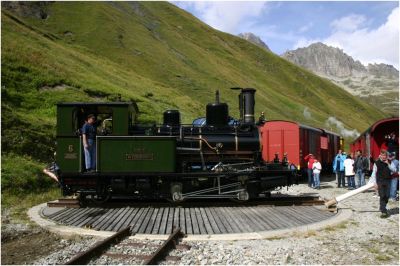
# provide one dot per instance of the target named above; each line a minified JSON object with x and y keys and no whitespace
{"x":383,"y":70}
{"x":325,"y":60}
{"x":375,"y":83}
{"x":248,"y":36}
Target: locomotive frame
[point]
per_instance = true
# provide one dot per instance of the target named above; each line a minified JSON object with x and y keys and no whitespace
{"x":170,"y":161}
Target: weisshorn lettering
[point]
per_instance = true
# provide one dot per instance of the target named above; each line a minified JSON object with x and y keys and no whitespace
{"x":139,"y":156}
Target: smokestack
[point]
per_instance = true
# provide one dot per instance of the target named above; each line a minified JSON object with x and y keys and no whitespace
{"x":217,"y":96}
{"x":246,"y":104}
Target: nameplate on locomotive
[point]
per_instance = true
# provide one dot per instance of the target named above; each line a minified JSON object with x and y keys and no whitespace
{"x":139,"y":155}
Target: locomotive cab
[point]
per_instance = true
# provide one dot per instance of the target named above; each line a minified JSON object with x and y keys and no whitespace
{"x":112,"y":119}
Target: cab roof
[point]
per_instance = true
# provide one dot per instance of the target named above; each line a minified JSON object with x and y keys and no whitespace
{"x":94,"y":103}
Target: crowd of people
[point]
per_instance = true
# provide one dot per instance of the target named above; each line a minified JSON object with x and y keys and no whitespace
{"x":350,"y":171}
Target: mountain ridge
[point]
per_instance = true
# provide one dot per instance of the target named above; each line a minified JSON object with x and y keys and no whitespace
{"x":377,"y":84}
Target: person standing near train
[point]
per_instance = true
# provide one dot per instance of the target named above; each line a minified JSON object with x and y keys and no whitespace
{"x":349,"y":172}
{"x":360,"y":168}
{"x":89,"y":142}
{"x":394,"y":163}
{"x":310,"y":160}
{"x":381,"y":174}
{"x":338,"y":168}
{"x":316,"y":171}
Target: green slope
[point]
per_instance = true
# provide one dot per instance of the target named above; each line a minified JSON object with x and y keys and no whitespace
{"x":153,"y":53}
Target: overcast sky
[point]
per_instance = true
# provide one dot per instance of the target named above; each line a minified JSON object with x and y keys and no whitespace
{"x":367,"y":31}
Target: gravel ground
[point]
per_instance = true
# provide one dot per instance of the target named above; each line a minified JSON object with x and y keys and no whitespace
{"x":363,"y":239}
{"x":69,"y":248}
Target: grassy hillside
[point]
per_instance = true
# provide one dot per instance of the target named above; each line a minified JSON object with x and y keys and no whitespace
{"x":153,"y":53}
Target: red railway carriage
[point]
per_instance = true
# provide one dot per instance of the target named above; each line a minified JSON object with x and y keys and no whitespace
{"x":297,"y":141}
{"x":376,"y":137}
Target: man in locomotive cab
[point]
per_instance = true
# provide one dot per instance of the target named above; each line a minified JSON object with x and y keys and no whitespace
{"x":89,"y":131}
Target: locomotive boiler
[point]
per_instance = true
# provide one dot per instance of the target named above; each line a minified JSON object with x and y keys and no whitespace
{"x":214,"y":157}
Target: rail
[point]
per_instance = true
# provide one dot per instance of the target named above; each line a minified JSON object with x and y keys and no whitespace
{"x":99,"y":248}
{"x":84,"y":257}
{"x":163,"y":250}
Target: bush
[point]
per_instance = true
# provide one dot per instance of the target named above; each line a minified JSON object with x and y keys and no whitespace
{"x":22,"y":174}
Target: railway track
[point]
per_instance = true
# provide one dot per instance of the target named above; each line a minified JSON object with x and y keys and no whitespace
{"x":118,"y":249}
{"x":277,"y":201}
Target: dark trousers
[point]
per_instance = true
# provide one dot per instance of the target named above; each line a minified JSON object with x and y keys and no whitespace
{"x":340,"y":177}
{"x":384,"y":193}
{"x":310,"y":177}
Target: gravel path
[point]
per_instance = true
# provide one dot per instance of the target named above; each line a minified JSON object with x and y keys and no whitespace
{"x":363,"y":239}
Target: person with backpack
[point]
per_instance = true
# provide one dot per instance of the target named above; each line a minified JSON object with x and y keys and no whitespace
{"x":361,"y":166}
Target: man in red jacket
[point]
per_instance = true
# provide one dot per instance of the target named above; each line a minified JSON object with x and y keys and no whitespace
{"x":310,"y":159}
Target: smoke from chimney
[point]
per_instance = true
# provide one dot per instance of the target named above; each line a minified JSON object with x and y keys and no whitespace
{"x":332,"y":121}
{"x":307,"y":113}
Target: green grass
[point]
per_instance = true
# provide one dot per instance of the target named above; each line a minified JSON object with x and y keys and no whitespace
{"x":150,"y":52}
{"x":23,"y":185}
{"x":383,"y":257}
{"x":17,"y":205}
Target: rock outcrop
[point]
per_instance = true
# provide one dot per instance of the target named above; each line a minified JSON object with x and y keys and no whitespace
{"x":248,"y":36}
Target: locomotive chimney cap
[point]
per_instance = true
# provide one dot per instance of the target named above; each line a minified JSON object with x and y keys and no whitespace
{"x":248,"y":89}
{"x":243,"y":89}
